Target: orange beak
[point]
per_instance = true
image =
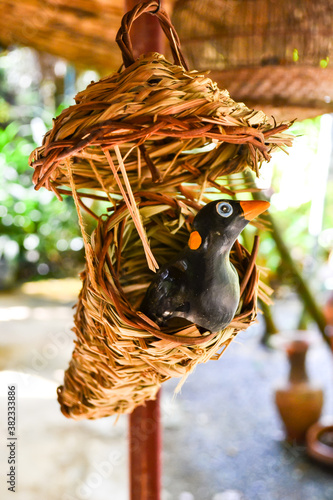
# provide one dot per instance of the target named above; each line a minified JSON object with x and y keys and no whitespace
{"x":253,"y":208}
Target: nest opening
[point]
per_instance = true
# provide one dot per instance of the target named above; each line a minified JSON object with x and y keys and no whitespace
{"x":126,"y":349}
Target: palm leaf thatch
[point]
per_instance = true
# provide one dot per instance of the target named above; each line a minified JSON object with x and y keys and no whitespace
{"x":273,"y":55}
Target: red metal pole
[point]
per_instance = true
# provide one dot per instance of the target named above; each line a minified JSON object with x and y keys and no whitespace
{"x":146,"y":32}
{"x":145,"y":434}
{"x":145,"y":451}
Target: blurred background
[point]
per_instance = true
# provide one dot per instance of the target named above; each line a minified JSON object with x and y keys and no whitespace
{"x":223,"y":438}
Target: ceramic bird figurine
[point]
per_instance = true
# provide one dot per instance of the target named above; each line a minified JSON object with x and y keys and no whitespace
{"x":201,"y":285}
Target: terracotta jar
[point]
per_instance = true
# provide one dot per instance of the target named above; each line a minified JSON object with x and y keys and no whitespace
{"x":299,"y":402}
{"x":319,"y":437}
{"x":319,"y":440}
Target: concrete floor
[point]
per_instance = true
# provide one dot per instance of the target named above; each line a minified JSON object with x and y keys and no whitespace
{"x":222,"y":437}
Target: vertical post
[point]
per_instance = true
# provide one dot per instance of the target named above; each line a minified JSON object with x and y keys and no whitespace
{"x":146,"y":32}
{"x":145,"y":441}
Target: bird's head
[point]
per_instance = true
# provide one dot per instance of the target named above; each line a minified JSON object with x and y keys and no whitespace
{"x":220,"y":222}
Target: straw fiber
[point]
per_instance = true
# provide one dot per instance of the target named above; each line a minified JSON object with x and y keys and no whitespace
{"x":154,"y":110}
{"x":121,"y":357}
{"x":155,"y":141}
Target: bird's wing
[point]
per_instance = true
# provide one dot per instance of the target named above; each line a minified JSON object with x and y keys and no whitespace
{"x":166,"y":294}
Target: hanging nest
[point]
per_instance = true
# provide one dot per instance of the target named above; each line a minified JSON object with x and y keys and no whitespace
{"x":159,"y":114}
{"x":150,"y":140}
{"x":121,"y":357}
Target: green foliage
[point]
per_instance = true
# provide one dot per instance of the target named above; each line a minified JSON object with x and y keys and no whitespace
{"x":293,"y":191}
{"x":293,"y":225}
{"x":38,"y":233}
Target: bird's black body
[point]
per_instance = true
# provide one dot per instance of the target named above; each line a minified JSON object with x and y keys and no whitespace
{"x":200,"y":284}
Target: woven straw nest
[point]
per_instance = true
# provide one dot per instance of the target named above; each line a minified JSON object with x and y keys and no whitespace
{"x":121,"y":357}
{"x":153,"y":110}
{"x":135,"y":140}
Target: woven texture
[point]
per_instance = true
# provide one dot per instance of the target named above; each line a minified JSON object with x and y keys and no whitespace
{"x":163,"y":110}
{"x":120,"y":358}
{"x":81,"y":31}
{"x":271,"y":54}
{"x":153,"y":143}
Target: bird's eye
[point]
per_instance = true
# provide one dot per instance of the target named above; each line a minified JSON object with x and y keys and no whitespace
{"x":224,"y":209}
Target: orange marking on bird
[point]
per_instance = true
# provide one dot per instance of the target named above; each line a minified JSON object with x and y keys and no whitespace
{"x":195,"y":240}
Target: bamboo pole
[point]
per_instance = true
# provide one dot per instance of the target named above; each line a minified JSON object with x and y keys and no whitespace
{"x":270,"y":326}
{"x":301,"y":285}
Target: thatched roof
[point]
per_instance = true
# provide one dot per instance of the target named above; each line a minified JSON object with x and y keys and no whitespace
{"x":273,"y":56}
{"x":276,"y":56}
{"x":81,"y":31}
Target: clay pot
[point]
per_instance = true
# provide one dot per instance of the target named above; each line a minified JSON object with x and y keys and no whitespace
{"x":328,"y":310}
{"x":299,"y":402}
{"x":319,"y":440}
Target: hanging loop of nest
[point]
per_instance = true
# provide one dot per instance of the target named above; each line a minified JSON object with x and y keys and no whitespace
{"x":151,"y":7}
{"x":121,"y":357}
